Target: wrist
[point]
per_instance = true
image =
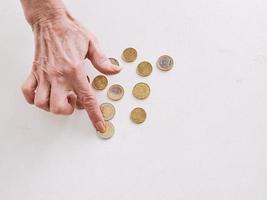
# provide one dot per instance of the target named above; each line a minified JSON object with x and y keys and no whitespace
{"x":43,"y":10}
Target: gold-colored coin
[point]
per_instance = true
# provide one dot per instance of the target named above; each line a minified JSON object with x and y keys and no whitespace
{"x":141,"y":90}
{"x":138,"y":115}
{"x":165,"y":63}
{"x":129,"y":55}
{"x":108,"y":111}
{"x":109,"y":132}
{"x":115,"y":92}
{"x":114,"y":61}
{"x":100,"y":82}
{"x":144,"y":68}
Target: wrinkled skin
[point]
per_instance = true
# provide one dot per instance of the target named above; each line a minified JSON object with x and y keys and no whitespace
{"x":58,"y":79}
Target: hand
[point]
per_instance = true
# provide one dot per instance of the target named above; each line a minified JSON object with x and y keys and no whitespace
{"x":58,"y":79}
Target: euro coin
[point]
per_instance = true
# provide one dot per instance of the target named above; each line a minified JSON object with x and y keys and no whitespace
{"x":138,"y":115}
{"x":109,"y":132}
{"x":108,"y":111}
{"x":165,"y":63}
{"x":114,"y":61}
{"x":115,"y":92}
{"x":100,"y":82}
{"x":144,"y":69}
{"x":129,"y":55}
{"x":141,"y":91}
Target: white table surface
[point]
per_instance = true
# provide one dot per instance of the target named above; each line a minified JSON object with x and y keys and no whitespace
{"x":205,"y":137}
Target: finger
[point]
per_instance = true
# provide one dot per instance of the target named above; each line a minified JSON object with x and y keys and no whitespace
{"x":42,"y":94}
{"x":28,"y":88}
{"x":88,"y":100}
{"x":62,"y":100}
{"x":100,"y":60}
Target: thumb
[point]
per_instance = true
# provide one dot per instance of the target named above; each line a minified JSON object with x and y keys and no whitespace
{"x":100,"y":60}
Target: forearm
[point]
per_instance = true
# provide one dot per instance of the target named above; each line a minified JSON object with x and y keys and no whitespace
{"x":37,"y":10}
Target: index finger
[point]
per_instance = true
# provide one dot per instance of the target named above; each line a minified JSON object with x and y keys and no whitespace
{"x":85,"y":95}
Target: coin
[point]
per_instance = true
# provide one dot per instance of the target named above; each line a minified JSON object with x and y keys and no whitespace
{"x":100,"y":82}
{"x":144,"y":68}
{"x":114,"y":61}
{"x":88,"y":79}
{"x":141,"y":90}
{"x":138,"y":115}
{"x":165,"y":63}
{"x":79,"y":105}
{"x":115,"y":92}
{"x":108,"y":111}
{"x":129,"y":55}
{"x":109,"y":132}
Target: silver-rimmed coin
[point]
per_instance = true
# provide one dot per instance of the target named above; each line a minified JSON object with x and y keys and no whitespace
{"x":165,"y":63}
{"x":108,"y":111}
{"x":141,"y":91}
{"x":109,"y":132}
{"x":115,"y":92}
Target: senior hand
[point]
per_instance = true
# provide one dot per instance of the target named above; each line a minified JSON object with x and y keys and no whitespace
{"x":58,"y":77}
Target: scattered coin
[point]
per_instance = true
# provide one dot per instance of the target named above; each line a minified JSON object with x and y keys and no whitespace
{"x":109,"y":131}
{"x":129,"y":55}
{"x":144,"y":68}
{"x":115,"y":92}
{"x":88,"y":79}
{"x":100,"y":82}
{"x":108,"y":111}
{"x":79,"y":105}
{"x":114,"y":61}
{"x":165,"y":63}
{"x":141,"y":90}
{"x":138,"y":115}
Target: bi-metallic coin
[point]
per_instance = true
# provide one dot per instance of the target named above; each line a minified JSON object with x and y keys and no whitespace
{"x":115,"y":92}
{"x":144,"y":69}
{"x":100,"y":82}
{"x":109,"y":132}
{"x":129,"y":55}
{"x":165,"y":63}
{"x":138,"y":115}
{"x":141,"y":91}
{"x":108,"y":111}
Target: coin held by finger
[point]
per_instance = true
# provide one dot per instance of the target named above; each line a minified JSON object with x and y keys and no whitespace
{"x":109,"y":132}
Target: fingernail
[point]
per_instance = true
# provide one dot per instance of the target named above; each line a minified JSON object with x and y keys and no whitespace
{"x":100,"y":126}
{"x":117,"y":68}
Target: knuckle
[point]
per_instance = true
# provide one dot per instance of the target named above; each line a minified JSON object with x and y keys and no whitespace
{"x":88,"y":100}
{"x":102,"y":60}
{"x":95,"y":116}
{"x":69,"y":112}
{"x":41,"y":103}
{"x":58,"y":110}
{"x":25,"y":89}
{"x":72,"y":69}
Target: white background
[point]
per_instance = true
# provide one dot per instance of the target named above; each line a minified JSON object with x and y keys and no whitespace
{"x":205,"y":137}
